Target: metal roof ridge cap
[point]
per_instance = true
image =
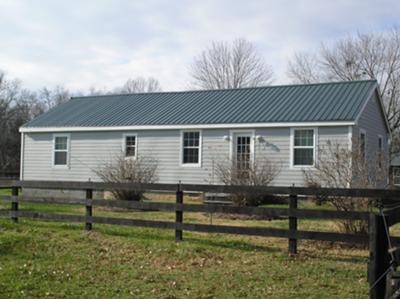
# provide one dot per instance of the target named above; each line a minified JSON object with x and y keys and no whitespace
{"x":225,"y":89}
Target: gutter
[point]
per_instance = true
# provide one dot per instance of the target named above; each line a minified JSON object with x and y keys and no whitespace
{"x":186,"y":127}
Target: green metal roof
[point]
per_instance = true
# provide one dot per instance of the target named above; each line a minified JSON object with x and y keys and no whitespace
{"x":337,"y":101}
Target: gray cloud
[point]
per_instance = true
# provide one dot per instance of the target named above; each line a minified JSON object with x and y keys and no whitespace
{"x":84,"y":44}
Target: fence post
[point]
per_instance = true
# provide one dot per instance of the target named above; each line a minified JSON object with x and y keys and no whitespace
{"x":89,"y":211}
{"x":14,"y":204}
{"x":292,"y":223}
{"x":378,"y":256}
{"x":178,"y":213}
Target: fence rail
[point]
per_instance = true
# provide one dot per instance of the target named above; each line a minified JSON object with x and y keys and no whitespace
{"x":306,"y":191}
{"x":376,"y":239}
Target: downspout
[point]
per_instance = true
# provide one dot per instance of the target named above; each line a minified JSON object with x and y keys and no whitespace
{"x":350,"y":136}
{"x":21,"y":163}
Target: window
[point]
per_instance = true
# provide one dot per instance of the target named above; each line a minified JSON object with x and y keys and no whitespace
{"x":362,"y":144}
{"x":191,"y":148}
{"x":303,"y":147}
{"x":60,"y":157}
{"x":396,"y":175}
{"x":130,"y":146}
{"x":380,"y":151}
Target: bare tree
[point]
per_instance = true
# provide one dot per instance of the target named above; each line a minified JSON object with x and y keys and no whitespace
{"x":53,"y":97}
{"x":364,"y":56}
{"x":233,"y":65}
{"x":338,"y":166}
{"x":141,"y":170}
{"x":15,"y":110}
{"x":260,"y":172}
{"x":304,"y":69}
{"x":140,"y":84}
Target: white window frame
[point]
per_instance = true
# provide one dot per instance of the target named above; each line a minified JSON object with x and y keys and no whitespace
{"x":200,"y":149}
{"x":314,"y":147}
{"x":65,"y":166}
{"x":394,"y":176}
{"x":363,"y":131}
{"x":124,"y":145}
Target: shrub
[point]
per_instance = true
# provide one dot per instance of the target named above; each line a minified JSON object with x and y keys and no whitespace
{"x":341,"y":167}
{"x":260,"y":172}
{"x":141,"y":170}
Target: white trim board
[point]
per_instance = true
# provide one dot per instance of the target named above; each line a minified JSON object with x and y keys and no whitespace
{"x":185,"y":127}
{"x":21,"y":164}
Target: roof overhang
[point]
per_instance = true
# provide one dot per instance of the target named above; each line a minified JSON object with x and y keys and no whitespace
{"x":186,"y":127}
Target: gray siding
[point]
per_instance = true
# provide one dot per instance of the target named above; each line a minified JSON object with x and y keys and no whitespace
{"x":372,"y":121}
{"x":277,"y":148}
{"x":88,"y":150}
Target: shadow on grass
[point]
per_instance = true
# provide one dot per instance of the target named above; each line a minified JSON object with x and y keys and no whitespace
{"x":152,"y":235}
{"x":210,"y":240}
{"x":148,"y":234}
{"x":345,"y":258}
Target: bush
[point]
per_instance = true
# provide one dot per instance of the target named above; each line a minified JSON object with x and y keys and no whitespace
{"x":341,"y":167}
{"x":141,"y":170}
{"x":260,"y":172}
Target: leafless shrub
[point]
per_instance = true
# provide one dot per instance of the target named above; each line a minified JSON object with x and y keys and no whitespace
{"x":260,"y":172}
{"x":142,"y":170}
{"x":341,"y":167}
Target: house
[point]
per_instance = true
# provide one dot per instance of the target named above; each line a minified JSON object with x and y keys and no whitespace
{"x":188,"y":131}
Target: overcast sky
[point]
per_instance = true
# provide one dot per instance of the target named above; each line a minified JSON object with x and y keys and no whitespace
{"x":83,"y":44}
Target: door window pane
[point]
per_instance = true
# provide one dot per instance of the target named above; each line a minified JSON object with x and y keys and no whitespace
{"x":243,"y":152}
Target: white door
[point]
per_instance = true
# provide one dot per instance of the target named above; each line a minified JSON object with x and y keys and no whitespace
{"x":242,"y":150}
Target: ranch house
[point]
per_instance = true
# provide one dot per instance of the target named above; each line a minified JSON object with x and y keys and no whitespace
{"x":188,"y":131}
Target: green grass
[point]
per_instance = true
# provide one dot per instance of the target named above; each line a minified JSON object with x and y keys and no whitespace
{"x":59,"y":260}
{"x":5,"y":192}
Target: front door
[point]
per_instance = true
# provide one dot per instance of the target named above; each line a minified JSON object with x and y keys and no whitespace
{"x":242,"y":150}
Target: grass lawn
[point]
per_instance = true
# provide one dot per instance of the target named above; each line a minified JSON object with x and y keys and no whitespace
{"x":59,"y":260}
{"x":5,"y":192}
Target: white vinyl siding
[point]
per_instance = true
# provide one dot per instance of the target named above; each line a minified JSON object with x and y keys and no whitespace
{"x":372,"y":123}
{"x":89,"y":150}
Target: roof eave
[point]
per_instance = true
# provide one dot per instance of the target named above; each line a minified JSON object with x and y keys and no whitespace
{"x":186,"y":126}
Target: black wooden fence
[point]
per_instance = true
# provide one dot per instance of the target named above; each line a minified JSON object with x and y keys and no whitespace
{"x":377,"y":239}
